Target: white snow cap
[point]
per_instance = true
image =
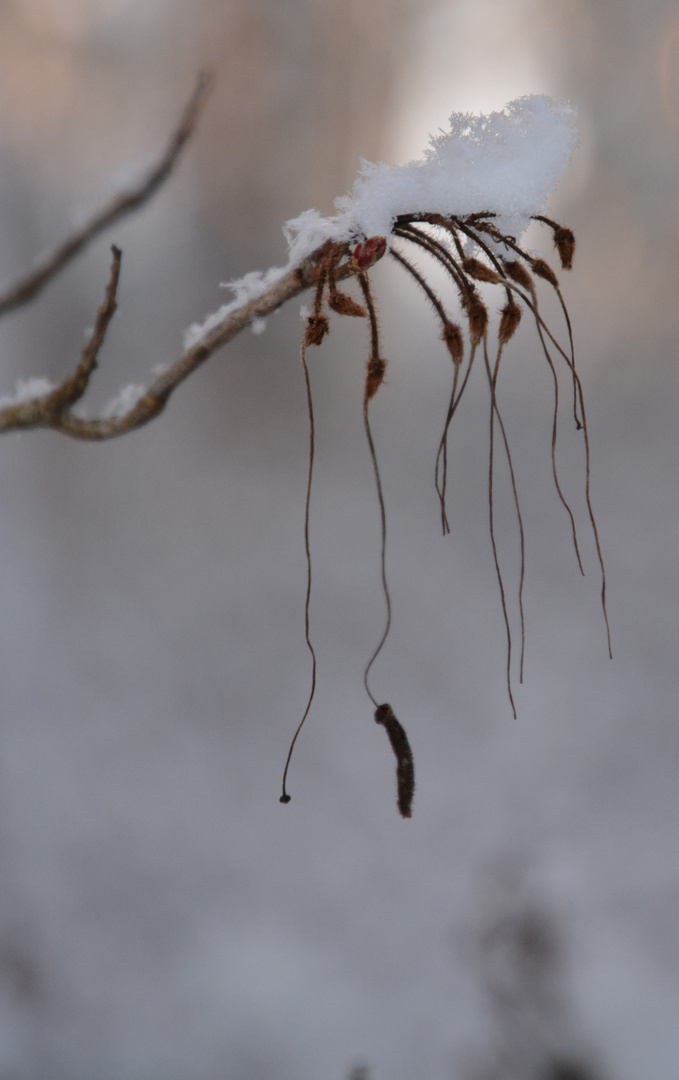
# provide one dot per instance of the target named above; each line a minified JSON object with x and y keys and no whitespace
{"x":507,"y":162}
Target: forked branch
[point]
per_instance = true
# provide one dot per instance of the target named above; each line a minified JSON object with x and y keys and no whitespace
{"x":53,"y":409}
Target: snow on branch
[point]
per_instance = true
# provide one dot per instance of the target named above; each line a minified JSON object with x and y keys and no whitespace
{"x":499,"y":167}
{"x":463,"y":207}
{"x":506,"y":163}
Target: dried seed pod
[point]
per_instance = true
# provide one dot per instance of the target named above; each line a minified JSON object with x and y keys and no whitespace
{"x":509,"y":320}
{"x":518,"y":273}
{"x":316,"y":328}
{"x":544,"y":270}
{"x":452,"y":335}
{"x":477,"y":269}
{"x":477,"y":313}
{"x":405,"y":766}
{"x":367,"y":252}
{"x":344,"y":305}
{"x":564,"y":241}
{"x":374,"y":376}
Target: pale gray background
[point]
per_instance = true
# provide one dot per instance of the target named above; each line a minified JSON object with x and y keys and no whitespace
{"x":161,"y":915}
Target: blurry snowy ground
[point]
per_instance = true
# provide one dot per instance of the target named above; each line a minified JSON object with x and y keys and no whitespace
{"x":161,"y":915}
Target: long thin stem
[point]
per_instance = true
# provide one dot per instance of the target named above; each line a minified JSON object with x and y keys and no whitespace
{"x":436,"y":250}
{"x":441,"y":464}
{"x":545,"y":271}
{"x":285,"y":798}
{"x":383,"y":552}
{"x":374,"y":360}
{"x":517,"y":506}
{"x":442,"y":454}
{"x":441,"y":467}
{"x":578,"y":421}
{"x":592,"y":519}
{"x":555,"y":416}
{"x":491,"y":517}
{"x":422,"y":282}
{"x":581,"y":397}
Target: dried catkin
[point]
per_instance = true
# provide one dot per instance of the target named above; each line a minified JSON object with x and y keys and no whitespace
{"x":405,"y":766}
{"x":565,"y":245}
{"x":509,"y":320}
{"x":476,"y":269}
{"x":374,"y":376}
{"x":316,"y":329}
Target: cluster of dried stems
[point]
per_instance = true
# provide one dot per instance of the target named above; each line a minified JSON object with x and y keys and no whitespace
{"x":446,"y":240}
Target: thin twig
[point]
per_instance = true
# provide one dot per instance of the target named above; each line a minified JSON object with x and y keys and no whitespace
{"x":39,"y":412}
{"x":24,"y":290}
{"x":51,"y":409}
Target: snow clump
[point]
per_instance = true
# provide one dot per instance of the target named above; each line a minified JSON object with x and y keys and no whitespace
{"x":506,"y":163}
{"x":27,"y":390}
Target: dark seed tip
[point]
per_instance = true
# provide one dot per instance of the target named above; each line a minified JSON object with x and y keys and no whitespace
{"x":382,"y":713}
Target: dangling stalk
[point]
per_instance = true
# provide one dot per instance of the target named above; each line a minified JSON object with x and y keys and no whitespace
{"x":541,"y":323}
{"x":375,"y":374}
{"x":285,"y":798}
{"x":493,"y":410}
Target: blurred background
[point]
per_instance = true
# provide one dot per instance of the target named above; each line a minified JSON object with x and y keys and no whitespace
{"x":161,"y":915}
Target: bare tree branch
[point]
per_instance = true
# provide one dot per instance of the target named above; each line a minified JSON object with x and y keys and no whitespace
{"x":125,"y":202}
{"x":53,"y":409}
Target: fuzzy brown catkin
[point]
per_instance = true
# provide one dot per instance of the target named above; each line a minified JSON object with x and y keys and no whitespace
{"x":405,"y":766}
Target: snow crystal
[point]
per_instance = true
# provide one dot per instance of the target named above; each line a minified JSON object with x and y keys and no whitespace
{"x":246,"y":288}
{"x":507,"y":163}
{"x":258,"y":326}
{"x":124,"y":400}
{"x":27,"y":390}
{"x":310,"y":229}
